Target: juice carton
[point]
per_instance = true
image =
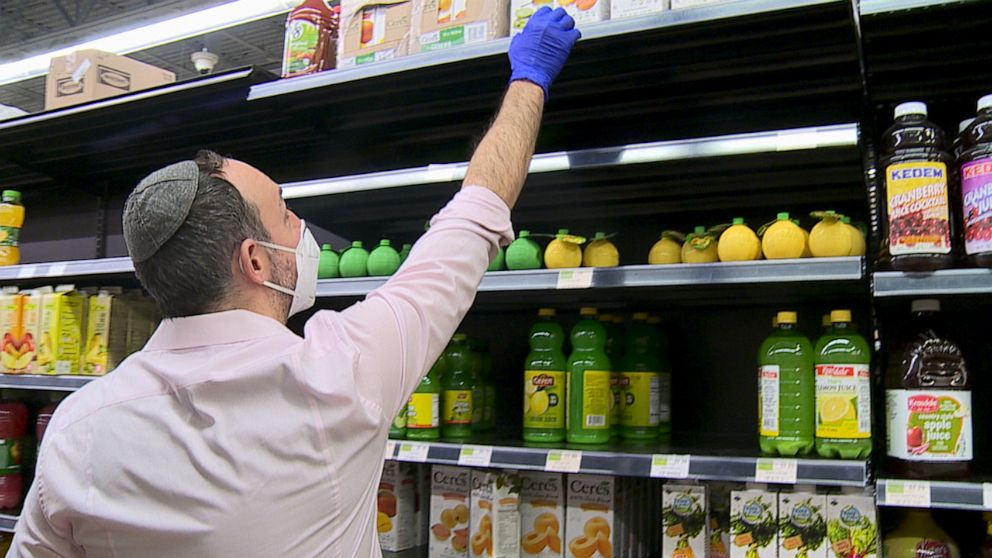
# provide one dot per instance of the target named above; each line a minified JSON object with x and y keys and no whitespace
{"x":802,"y":525}
{"x":852,"y":526}
{"x":423,"y":504}
{"x":373,"y":30}
{"x":586,"y":11}
{"x":521,"y":10}
{"x":495,"y":513}
{"x":542,"y":514}
{"x":684,"y":519}
{"x":32,"y":305}
{"x":620,"y":9}
{"x":589,"y":517}
{"x":396,"y":520}
{"x":753,"y":524}
{"x":442,"y":24}
{"x":450,"y":490}
{"x":17,"y":355}
{"x":106,"y":332}
{"x":719,"y":521}
{"x":61,"y":331}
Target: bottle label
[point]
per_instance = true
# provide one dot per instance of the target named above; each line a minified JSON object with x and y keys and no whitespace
{"x":930,"y":425}
{"x":544,"y":399}
{"x":976,"y":191}
{"x":399,"y":421}
{"x":641,"y":402}
{"x":300,"y":50}
{"x":11,"y":453}
{"x":596,"y":397}
{"x":458,"y":406}
{"x":843,"y":401}
{"x":768,"y":384}
{"x":929,"y":548}
{"x":616,"y":399}
{"x":919,"y":211}
{"x":10,"y":237}
{"x":665,"y":396}
{"x":424,"y":411}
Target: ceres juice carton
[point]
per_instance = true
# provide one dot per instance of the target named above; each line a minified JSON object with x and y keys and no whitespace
{"x":589,"y":516}
{"x":450,"y":492}
{"x":542,"y":514}
{"x":442,"y":24}
{"x":802,"y":525}
{"x":620,"y":9}
{"x":396,"y":520}
{"x":61,"y":331}
{"x":106,"y":332}
{"x":373,"y":30}
{"x":684,"y":519}
{"x":753,"y":524}
{"x":17,"y":356}
{"x":852,"y":526}
{"x":521,"y":10}
{"x":586,"y":11}
{"x":495,"y":514}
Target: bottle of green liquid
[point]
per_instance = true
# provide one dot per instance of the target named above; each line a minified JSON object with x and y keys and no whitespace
{"x":423,"y":415}
{"x":489,"y":417}
{"x":397,"y":431}
{"x":843,"y":391}
{"x":786,"y":390}
{"x":457,"y":385}
{"x":614,"y":350}
{"x":476,"y":349}
{"x":640,"y":382}
{"x":544,"y":381}
{"x":589,"y":392}
{"x":664,"y":375}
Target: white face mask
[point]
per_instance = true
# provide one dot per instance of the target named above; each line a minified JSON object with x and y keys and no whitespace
{"x":307,"y":258}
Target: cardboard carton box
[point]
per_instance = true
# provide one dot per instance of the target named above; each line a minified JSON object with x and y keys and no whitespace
{"x":685,"y":520}
{"x":802,"y":525}
{"x":542,"y":514}
{"x":373,"y":30}
{"x":450,"y":490}
{"x":719,"y":521}
{"x":61,"y":331}
{"x":396,"y":520}
{"x":753,"y":524}
{"x":589,"y":519}
{"x":106,"y":332}
{"x":620,"y":9}
{"x":852,"y":526}
{"x":585,"y":12}
{"x":495,"y":513}
{"x":441,"y":24}
{"x":17,"y":355}
{"x":90,"y":75}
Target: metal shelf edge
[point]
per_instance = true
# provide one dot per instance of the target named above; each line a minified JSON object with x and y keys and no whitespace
{"x":8,"y":522}
{"x":873,"y":7}
{"x":46,"y":383}
{"x":944,"y":282}
{"x":73,"y":268}
{"x":946,"y":495}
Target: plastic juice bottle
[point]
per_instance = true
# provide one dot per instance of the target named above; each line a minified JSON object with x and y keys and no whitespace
{"x":919,"y":537}
{"x":614,"y":347}
{"x":640,"y":382}
{"x":457,"y":386}
{"x":786,"y":390}
{"x":976,"y":186}
{"x":397,"y":430}
{"x":919,"y":228}
{"x":423,"y":415}
{"x":311,"y":36}
{"x":928,"y":400}
{"x":664,"y":375}
{"x":476,"y":349}
{"x":487,"y":372}
{"x":588,"y":382}
{"x":960,"y":146}
{"x":544,"y":381}
{"x":843,"y":391}
{"x":11,"y":221}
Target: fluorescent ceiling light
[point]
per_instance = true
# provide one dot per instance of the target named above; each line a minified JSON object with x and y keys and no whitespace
{"x":155,"y":34}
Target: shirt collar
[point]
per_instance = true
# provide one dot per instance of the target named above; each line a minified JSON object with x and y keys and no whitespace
{"x":218,"y":328}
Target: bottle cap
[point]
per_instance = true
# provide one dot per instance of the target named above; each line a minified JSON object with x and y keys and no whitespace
{"x":985,"y":102}
{"x":912,"y":107}
{"x":12,"y":196}
{"x":926,"y":305}
{"x":640,"y":316}
{"x":700,"y":230}
{"x":562,"y":231}
{"x":846,"y":220}
{"x":587,"y":311}
{"x":356,"y":244}
{"x":963,"y":125}
{"x":782,"y":216}
{"x":384,"y":242}
{"x":546,"y":312}
{"x":326,"y":247}
{"x":459,"y":338}
{"x":738,"y":221}
{"x":523,"y":234}
{"x":599,"y":236}
{"x":407,"y":246}
{"x":826,"y":322}
{"x":840,"y":316}
{"x":787,"y":318}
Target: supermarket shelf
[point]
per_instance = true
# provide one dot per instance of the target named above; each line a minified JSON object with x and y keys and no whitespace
{"x":937,"y":494}
{"x":620,"y":461}
{"x":7,"y":523}
{"x":57,"y":271}
{"x":944,"y":282}
{"x":45,"y":383}
{"x":868,"y":7}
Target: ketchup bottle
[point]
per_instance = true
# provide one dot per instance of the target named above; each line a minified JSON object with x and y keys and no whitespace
{"x":976,"y":186}
{"x":13,"y":429}
{"x":311,"y":38}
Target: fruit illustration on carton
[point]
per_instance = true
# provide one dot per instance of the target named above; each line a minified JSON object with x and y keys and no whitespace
{"x":450,"y":489}
{"x":589,"y":525}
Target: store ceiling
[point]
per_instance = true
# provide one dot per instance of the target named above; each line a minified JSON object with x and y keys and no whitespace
{"x":30,"y":27}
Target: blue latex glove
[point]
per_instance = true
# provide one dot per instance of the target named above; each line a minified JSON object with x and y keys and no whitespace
{"x":539,"y":52}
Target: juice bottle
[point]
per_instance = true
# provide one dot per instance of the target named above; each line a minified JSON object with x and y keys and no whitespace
{"x":457,"y":386}
{"x":843,"y":391}
{"x":664,"y":375}
{"x":928,"y":400}
{"x":544,"y":381}
{"x":919,"y":228}
{"x":919,"y":537}
{"x":311,"y":38}
{"x":11,"y":221}
{"x":961,"y":144}
{"x":614,"y":348}
{"x":640,"y":382}
{"x":588,"y":382}
{"x":476,"y":350}
{"x":489,"y":416}
{"x":976,"y":186}
{"x":786,"y":390}
{"x":423,"y":415}
{"x":397,"y":430}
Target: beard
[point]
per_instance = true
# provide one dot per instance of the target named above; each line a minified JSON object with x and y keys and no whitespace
{"x":284,"y":273}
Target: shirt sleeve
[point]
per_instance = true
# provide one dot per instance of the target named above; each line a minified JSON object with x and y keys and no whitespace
{"x":37,"y":537}
{"x":400,"y":329}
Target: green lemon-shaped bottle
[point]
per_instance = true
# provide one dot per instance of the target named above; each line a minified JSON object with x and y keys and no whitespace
{"x":354,"y":261}
{"x":524,"y":253}
{"x":327,"y":266}
{"x":384,"y":260}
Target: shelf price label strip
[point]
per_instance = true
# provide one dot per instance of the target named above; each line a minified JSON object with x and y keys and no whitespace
{"x":413,"y":451}
{"x":777,"y":471}
{"x":475,"y":456}
{"x":667,"y":466}
{"x":563,"y":461}
{"x":910,"y":494}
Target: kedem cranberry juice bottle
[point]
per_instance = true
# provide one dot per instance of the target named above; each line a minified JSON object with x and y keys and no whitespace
{"x":919,"y":227}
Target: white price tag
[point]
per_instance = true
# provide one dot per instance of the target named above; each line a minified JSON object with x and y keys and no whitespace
{"x":910,"y":494}
{"x":413,"y":451}
{"x":579,"y":278}
{"x":987,"y":495}
{"x":390,"y":449}
{"x":475,"y":456}
{"x":670,"y":466}
{"x":563,"y":461}
{"x":442,"y":173}
{"x":27,"y":271}
{"x":796,"y":139}
{"x":780,"y":471}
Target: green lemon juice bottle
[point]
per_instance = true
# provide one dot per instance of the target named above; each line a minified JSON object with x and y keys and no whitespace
{"x":786,"y":390}
{"x":843,"y":391}
{"x":544,"y":381}
{"x":457,"y":385}
{"x":640,"y":382}
{"x":423,"y":415}
{"x":589,"y":392}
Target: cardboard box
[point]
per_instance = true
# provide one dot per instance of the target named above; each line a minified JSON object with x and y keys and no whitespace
{"x":852,"y":526}
{"x":589,"y":517}
{"x":620,"y":9}
{"x":495,"y":513}
{"x":685,"y":520}
{"x":373,"y":30}
{"x":753,"y":524}
{"x":450,"y":490}
{"x":61,"y":331}
{"x":802,"y":525}
{"x":585,"y":12}
{"x":90,"y":75}
{"x":106,"y":332}
{"x":442,"y":24}
{"x":521,"y":10}
{"x":396,"y":520}
{"x":542,"y":514}
{"x":719,"y":545}
{"x":17,"y":352}
{"x":680,"y":4}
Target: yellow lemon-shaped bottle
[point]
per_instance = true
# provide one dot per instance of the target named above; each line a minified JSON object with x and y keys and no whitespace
{"x":830,"y":238}
{"x":858,"y":246}
{"x":739,"y":243}
{"x":600,"y":252}
{"x":700,"y":247}
{"x":806,"y":251}
{"x":564,"y":251}
{"x":668,"y":249}
{"x":783,"y":239}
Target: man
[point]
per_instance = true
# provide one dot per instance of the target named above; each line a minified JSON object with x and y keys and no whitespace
{"x":229,"y":435}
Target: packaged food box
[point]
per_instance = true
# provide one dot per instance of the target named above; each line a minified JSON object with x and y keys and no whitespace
{"x":719,"y":538}
{"x":373,"y":30}
{"x":684,"y":520}
{"x":753,"y":524}
{"x":589,"y":516}
{"x":396,"y":520}
{"x":441,"y":24}
{"x":18,"y":353}
{"x":106,"y":332}
{"x":802,"y":525}
{"x":521,"y":10}
{"x":61,"y":331}
{"x":542,"y":514}
{"x":585,"y":12}
{"x":680,"y":4}
{"x":423,"y":504}
{"x":852,"y":526}
{"x":620,"y":9}
{"x":450,"y":498}
{"x":495,"y":514}
{"x":89,"y":75}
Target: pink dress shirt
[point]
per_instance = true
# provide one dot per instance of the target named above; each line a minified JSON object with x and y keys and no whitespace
{"x":230,"y":436}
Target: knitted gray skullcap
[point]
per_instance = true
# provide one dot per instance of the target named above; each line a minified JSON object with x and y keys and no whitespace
{"x":158,"y":207}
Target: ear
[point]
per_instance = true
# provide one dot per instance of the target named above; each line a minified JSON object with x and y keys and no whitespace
{"x":254,"y":261}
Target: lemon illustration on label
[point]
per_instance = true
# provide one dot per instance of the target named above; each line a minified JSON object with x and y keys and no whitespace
{"x":539,"y":403}
{"x":836,"y":408}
